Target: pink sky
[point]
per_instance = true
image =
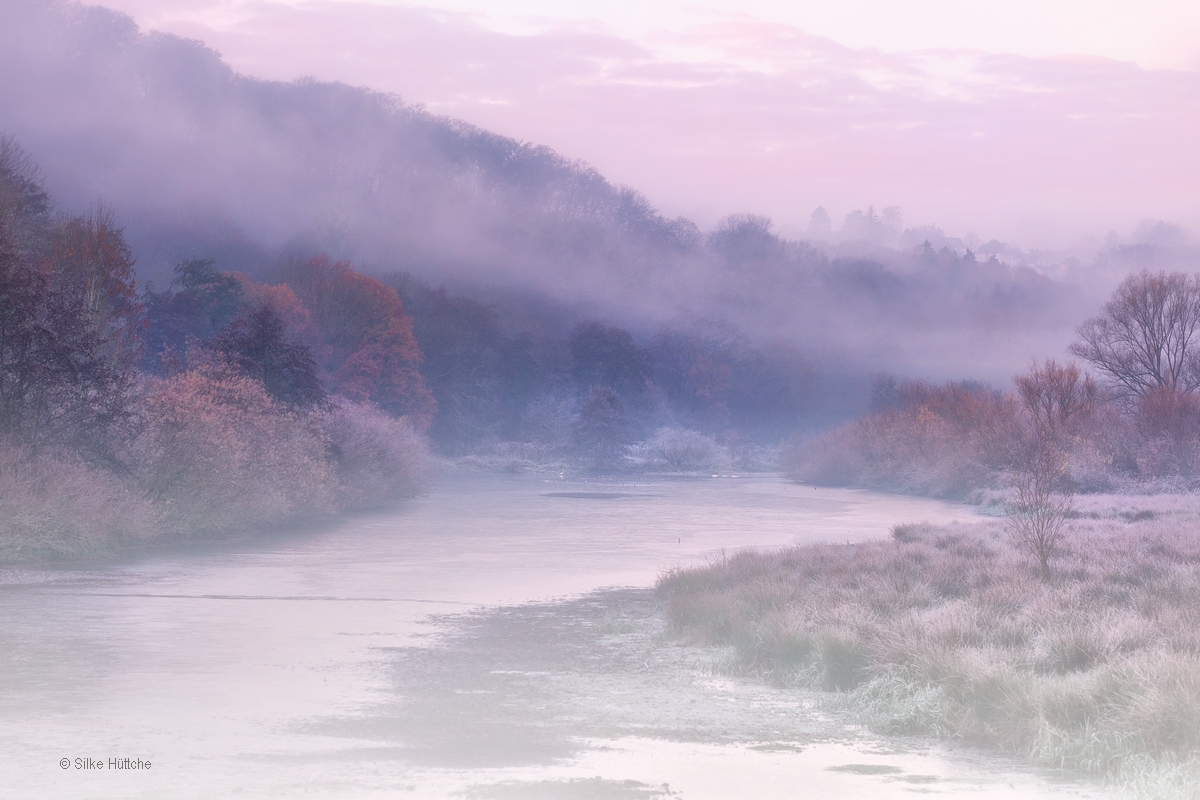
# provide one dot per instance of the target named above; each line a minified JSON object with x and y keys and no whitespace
{"x":726,"y":113}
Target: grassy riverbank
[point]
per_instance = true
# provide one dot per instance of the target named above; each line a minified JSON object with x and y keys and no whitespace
{"x":949,"y":631}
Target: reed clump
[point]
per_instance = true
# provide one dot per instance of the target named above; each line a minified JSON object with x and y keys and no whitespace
{"x":954,"y":631}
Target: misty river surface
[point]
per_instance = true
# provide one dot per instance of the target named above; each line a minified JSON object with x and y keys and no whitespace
{"x":496,"y":638}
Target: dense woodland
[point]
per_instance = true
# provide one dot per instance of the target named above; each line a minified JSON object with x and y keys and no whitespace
{"x":218,"y":401}
{"x":214,"y":405}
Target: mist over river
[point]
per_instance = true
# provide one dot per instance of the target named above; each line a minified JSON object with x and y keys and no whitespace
{"x":496,"y":638}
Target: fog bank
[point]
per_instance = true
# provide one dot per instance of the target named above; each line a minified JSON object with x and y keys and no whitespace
{"x":201,"y":161}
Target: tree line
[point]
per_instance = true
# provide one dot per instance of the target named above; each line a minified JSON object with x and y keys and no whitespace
{"x":524,"y":369}
{"x":1134,"y":421}
{"x":217,"y":404}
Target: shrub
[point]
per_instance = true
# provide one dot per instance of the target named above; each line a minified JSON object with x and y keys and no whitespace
{"x":682,"y":449}
{"x":377,"y":458}
{"x":56,"y":507}
{"x":218,"y":453}
{"x":936,"y":440}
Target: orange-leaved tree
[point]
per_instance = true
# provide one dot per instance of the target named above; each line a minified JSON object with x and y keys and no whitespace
{"x":371,"y":352}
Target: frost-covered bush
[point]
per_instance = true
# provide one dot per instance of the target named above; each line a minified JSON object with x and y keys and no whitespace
{"x":376,"y":457}
{"x":217,"y":453}
{"x":755,"y":457}
{"x":910,"y":453}
{"x":54,"y":507}
{"x":516,"y":458}
{"x":683,"y":449}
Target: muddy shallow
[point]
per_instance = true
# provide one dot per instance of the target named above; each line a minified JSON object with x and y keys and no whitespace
{"x":455,"y":647}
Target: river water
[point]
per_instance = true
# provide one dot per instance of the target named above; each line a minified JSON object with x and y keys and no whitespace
{"x":473,"y":642}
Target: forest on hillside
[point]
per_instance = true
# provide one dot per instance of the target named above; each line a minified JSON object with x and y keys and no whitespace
{"x":202,"y":162}
{"x":138,"y":412}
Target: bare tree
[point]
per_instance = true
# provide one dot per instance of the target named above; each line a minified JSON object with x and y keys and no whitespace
{"x":1037,"y":520}
{"x":1145,"y":339}
{"x":1056,"y":396}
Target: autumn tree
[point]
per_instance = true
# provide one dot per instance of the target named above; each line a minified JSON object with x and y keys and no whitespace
{"x":93,"y":270}
{"x":31,"y":360}
{"x":219,"y":453}
{"x":34,"y":365}
{"x":1145,"y":339}
{"x":372,"y":354}
{"x":604,"y":355}
{"x":1056,"y":397}
{"x":695,"y":366}
{"x":482,"y":375}
{"x":200,"y":302}
{"x":600,"y":430}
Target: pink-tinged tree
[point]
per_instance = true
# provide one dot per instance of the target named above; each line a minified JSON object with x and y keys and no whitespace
{"x":297,"y":320}
{"x":218,"y":452}
{"x":257,"y":344}
{"x":93,"y":267}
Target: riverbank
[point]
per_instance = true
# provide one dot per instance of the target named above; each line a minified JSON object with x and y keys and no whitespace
{"x":948,"y":630}
{"x":588,"y":698}
{"x":210,"y":470}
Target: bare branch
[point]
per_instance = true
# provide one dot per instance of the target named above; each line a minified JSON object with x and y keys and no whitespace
{"x":1145,"y":339}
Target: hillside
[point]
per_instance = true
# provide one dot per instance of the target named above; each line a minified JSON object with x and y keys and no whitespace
{"x":202,"y":162}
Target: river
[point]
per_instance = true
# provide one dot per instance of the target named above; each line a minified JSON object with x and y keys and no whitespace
{"x":493,"y":639}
